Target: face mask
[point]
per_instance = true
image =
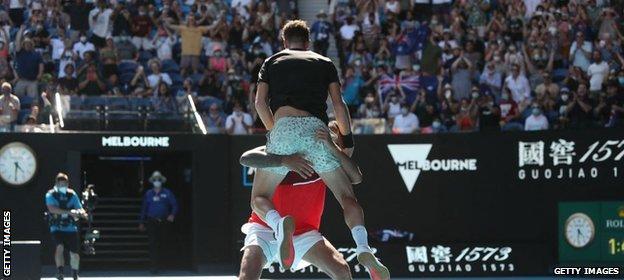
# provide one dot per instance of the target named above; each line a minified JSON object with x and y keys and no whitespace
{"x":505,"y":96}
{"x":434,"y":22}
{"x":404,"y":111}
{"x":536,"y":57}
{"x":217,"y":54}
{"x":369,"y":99}
{"x":157,"y":184}
{"x":564,"y":97}
{"x":141,"y":13}
{"x":497,"y":58}
{"x":536,"y":111}
{"x":552,"y":30}
{"x":491,"y":103}
{"x":83,"y":39}
{"x":394,"y":99}
{"x":621,"y":80}
{"x":436,"y":124}
{"x":62,"y":188}
{"x":475,"y":95}
{"x":448,"y":94}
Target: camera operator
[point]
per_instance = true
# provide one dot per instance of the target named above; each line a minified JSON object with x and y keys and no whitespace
{"x":158,"y":212}
{"x":64,"y":210}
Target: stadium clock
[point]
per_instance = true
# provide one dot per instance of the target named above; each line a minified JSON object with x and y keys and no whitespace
{"x":579,"y":230}
{"x":18,"y":164}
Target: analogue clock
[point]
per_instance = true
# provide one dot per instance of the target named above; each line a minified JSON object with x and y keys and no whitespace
{"x":18,"y":163}
{"x":579,"y":230}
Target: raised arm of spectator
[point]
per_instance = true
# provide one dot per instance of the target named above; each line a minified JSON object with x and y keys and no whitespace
{"x":527,"y":60}
{"x":173,"y":27}
{"x":18,"y":38}
{"x":6,"y":41}
{"x":551,"y":60}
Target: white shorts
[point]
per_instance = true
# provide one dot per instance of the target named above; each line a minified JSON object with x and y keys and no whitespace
{"x":263,"y":237}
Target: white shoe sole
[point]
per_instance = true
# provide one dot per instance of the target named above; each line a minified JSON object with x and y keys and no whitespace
{"x":285,"y":245}
{"x":376,"y":270}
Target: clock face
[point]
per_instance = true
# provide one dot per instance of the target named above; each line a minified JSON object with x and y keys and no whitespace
{"x":579,"y":230}
{"x":18,"y":164}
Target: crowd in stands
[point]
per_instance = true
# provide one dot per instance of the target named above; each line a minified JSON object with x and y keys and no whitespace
{"x":407,"y":66}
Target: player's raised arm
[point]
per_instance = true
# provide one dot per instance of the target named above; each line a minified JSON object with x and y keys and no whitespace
{"x":342,"y":116}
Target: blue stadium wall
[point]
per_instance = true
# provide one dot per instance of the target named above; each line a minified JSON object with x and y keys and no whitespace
{"x":436,"y":205}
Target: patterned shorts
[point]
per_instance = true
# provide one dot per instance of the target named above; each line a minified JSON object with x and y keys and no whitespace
{"x":292,"y":135}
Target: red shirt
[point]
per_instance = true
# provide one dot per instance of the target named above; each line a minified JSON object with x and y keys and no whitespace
{"x":303,"y":199}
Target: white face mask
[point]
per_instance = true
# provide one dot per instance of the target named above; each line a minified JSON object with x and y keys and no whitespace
{"x":448,"y":94}
{"x":404,"y":111}
{"x":83,"y":39}
{"x":157,"y":184}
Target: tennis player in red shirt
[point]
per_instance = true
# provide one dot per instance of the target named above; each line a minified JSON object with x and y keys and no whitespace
{"x":301,"y":195}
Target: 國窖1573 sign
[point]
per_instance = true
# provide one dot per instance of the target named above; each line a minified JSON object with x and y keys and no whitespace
{"x":569,"y":159}
{"x":135,"y":141}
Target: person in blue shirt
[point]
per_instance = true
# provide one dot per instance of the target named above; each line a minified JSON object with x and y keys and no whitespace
{"x":321,"y":30}
{"x":157,"y":213}
{"x":64,"y":210}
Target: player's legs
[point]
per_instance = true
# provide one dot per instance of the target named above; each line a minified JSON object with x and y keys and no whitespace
{"x":338,"y":182}
{"x":252,"y":263}
{"x":325,"y":257}
{"x":262,"y":191}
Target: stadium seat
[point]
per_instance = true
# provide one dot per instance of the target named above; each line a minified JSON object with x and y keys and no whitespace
{"x":118,"y":103}
{"x":75,"y":102}
{"x":127,"y":67}
{"x":176,"y":78}
{"x":89,"y":103}
{"x":169,"y":66}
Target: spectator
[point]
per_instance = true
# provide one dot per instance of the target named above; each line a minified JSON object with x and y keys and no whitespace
{"x":91,"y":83}
{"x":157,"y":77}
{"x":100,"y":23}
{"x":238,"y":122}
{"x":321,"y":31}
{"x":597,"y":73}
{"x":509,"y":114}
{"x":191,"y":38}
{"x":83,"y":46}
{"x":352,"y":84}
{"x":215,"y":119}
{"x":78,"y":12}
{"x":141,"y":27}
{"x":489,"y":114}
{"x":68,"y":83}
{"x":537,"y":120}
{"x":580,"y":52}
{"x":519,"y":86}
{"x":9,"y":106}
{"x":579,"y":109}
{"x":406,"y":122}
{"x":370,"y":108}
{"x":29,"y":66}
{"x":163,"y":100}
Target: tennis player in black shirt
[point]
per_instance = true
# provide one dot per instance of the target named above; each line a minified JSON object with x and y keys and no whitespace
{"x":292,"y":90}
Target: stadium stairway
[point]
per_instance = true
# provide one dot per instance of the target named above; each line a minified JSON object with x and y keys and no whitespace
{"x":307,"y":11}
{"x":121,"y":244}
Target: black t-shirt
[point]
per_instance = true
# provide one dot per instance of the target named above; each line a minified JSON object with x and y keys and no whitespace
{"x":299,"y":79}
{"x":488,"y":119}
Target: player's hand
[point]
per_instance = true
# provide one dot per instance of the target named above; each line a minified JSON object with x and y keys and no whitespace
{"x":141,"y":227}
{"x":299,"y":164}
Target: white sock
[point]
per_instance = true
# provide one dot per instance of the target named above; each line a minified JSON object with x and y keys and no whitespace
{"x":272,"y":219}
{"x":360,"y":236}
